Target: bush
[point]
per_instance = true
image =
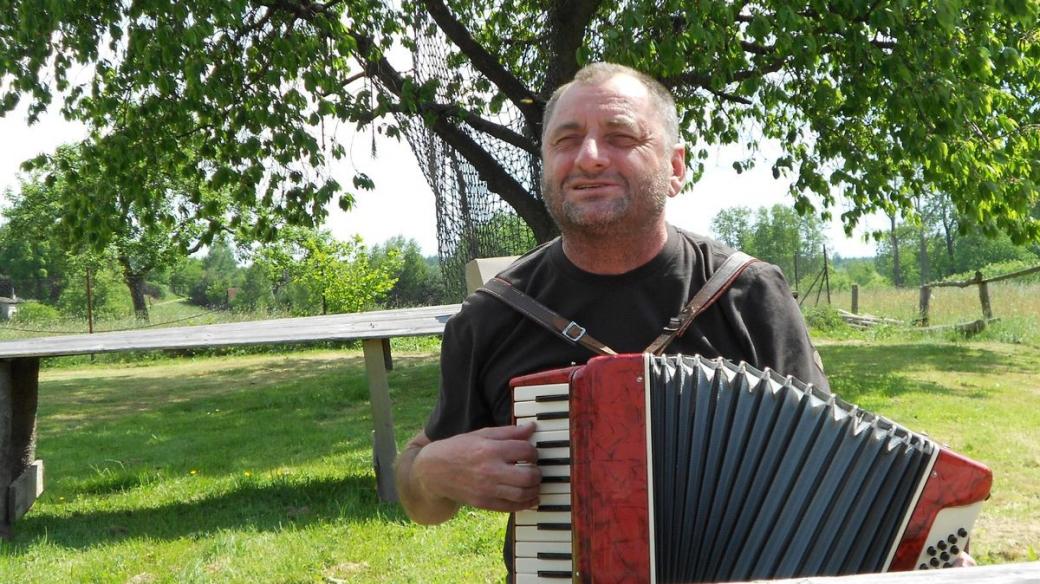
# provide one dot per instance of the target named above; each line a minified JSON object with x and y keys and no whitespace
{"x":156,"y":290}
{"x":36,"y":312}
{"x":824,"y":318}
{"x":999,"y":269}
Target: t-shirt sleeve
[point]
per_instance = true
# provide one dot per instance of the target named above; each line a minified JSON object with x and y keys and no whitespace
{"x":776,"y":328}
{"x":461,"y":406}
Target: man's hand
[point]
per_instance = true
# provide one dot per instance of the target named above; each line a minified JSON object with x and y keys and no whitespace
{"x":478,"y":468}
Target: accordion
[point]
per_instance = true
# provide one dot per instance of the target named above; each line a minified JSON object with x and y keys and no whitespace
{"x":686,"y":469}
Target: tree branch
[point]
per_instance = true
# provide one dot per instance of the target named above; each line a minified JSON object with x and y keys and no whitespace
{"x":490,"y":128}
{"x":729,"y":97}
{"x":498,"y":179}
{"x":483,"y":61}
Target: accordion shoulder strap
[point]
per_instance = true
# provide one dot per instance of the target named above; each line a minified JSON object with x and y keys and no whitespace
{"x":712,"y":290}
{"x":569,"y":330}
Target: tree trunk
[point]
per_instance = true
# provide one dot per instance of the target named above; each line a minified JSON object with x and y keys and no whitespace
{"x":897,"y":271}
{"x":135,"y":282}
{"x":923,"y":256}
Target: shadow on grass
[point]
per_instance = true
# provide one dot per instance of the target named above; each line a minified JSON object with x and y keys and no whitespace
{"x":249,"y":507}
{"x":110,"y":432}
{"x":882,"y":370}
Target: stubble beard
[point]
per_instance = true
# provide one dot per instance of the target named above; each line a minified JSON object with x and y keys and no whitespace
{"x":642,"y":207}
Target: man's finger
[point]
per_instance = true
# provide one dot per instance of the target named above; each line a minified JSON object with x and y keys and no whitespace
{"x":521,"y":432}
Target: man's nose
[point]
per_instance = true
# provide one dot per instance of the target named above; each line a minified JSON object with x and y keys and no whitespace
{"x":591,"y":156}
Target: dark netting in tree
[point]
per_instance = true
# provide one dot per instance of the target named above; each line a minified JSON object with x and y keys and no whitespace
{"x":472,"y":221}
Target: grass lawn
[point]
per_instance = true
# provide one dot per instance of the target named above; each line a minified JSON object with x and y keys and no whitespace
{"x":257,"y":468}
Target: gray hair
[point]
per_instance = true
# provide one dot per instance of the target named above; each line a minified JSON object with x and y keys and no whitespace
{"x":599,"y":72}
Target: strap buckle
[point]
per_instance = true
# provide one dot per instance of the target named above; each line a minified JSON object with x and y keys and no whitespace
{"x":576,"y":335}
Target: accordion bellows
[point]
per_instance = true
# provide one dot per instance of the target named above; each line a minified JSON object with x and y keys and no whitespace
{"x":684,"y":469}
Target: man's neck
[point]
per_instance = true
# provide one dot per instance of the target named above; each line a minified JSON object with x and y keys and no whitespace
{"x":615,"y":253}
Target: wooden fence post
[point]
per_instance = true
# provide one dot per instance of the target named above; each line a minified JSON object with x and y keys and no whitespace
{"x":855,"y":299}
{"x":987,"y":310}
{"x":926,"y":296}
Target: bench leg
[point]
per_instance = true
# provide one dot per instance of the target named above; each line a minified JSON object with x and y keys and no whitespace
{"x":21,"y":475}
{"x":384,"y":446}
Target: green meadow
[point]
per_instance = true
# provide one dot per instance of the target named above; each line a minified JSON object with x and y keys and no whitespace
{"x":256,"y":466}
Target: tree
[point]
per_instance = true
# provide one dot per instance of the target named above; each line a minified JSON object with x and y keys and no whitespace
{"x":858,"y":95}
{"x":149,"y":225}
{"x":29,"y":254}
{"x":334,"y":276}
{"x":419,"y":282}
{"x":210,"y":278}
{"x":775,"y":234}
{"x":732,"y":226}
{"x":108,"y":297}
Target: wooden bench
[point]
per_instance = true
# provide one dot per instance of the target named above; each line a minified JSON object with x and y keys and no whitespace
{"x":21,"y":474}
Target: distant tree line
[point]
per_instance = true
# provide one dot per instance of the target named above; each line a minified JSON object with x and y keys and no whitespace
{"x":930,"y":244}
{"x":303,"y":271}
{"x":936,"y":242}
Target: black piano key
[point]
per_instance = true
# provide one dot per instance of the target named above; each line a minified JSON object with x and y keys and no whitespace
{"x":553,"y":416}
{"x":552,"y":444}
{"x":554,"y":508}
{"x":555,"y":574}
{"x":556,"y":397}
{"x":554,"y":526}
{"x":554,"y":461}
{"x":556,"y":479}
{"x":553,"y":556}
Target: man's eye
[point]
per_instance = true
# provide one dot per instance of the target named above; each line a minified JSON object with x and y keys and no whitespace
{"x":623,"y":139}
{"x":569,"y":140}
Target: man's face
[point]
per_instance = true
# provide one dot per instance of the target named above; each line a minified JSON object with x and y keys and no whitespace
{"x":606,"y":164}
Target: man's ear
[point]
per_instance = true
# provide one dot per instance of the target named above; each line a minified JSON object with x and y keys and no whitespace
{"x":678,"y":165}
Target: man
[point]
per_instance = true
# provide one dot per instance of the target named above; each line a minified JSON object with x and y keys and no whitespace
{"x":611,"y":158}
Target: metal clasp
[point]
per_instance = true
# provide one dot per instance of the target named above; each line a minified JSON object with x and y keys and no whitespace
{"x":574,"y":338}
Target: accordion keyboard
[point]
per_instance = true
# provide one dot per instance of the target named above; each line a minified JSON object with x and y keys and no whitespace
{"x":542,"y":536}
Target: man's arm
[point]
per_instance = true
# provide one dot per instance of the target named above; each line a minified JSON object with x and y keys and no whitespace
{"x":435,"y":477}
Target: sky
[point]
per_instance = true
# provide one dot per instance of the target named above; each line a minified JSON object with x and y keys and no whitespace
{"x":403,"y":204}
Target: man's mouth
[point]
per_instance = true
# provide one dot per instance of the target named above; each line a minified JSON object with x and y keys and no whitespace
{"x":588,"y":186}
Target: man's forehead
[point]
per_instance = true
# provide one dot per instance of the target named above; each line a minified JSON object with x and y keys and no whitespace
{"x":617,"y":101}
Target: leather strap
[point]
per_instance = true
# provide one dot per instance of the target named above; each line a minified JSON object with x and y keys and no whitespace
{"x":712,"y":290}
{"x":538,"y":312}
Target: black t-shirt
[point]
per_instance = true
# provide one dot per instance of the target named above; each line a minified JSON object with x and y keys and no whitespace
{"x":488,"y":343}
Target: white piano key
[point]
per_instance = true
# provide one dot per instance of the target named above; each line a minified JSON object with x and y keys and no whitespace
{"x":531,"y":408}
{"x":535,"y":565}
{"x":554,"y":489}
{"x":554,"y":453}
{"x":530,"y":392}
{"x":531,"y":549}
{"x":562,"y":470}
{"x":532,"y":533}
{"x":557,"y":499}
{"x":532,"y":517}
{"x":550,"y":436}
{"x":545,"y":425}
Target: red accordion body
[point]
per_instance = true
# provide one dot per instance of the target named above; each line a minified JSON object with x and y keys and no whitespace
{"x":684,"y":469}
